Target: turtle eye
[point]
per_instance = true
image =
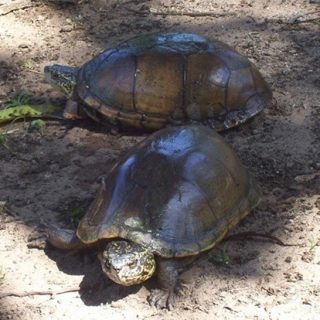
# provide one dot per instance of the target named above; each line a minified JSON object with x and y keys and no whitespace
{"x":132,"y":264}
{"x":107,"y":264}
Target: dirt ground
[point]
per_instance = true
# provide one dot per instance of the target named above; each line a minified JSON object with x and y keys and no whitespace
{"x":45,"y":177}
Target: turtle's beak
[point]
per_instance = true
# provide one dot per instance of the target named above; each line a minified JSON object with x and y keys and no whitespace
{"x":47,"y":69}
{"x":47,"y":73}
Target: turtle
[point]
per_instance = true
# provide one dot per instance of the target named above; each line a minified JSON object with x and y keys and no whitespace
{"x":169,"y":200}
{"x":160,"y":79}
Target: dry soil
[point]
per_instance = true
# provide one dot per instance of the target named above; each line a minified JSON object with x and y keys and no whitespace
{"x":47,"y":176}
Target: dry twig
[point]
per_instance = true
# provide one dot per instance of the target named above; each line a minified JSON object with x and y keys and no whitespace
{"x":183,"y":13}
{"x":296,"y":17}
{"x":37,"y":293}
{"x":253,"y":235}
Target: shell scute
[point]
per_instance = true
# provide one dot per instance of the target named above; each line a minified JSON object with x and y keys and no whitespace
{"x":154,"y":80}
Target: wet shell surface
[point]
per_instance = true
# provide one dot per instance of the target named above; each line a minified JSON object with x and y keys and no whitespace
{"x":179,"y":192}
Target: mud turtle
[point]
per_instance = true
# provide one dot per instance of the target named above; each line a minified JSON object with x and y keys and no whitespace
{"x":175,"y":195}
{"x":154,"y":80}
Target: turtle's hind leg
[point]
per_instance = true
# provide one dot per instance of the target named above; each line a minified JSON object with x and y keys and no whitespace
{"x":60,"y":238}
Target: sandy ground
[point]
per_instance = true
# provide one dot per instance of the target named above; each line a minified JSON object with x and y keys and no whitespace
{"x":44,"y":178}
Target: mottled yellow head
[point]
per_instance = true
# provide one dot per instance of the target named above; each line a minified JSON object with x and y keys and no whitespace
{"x":62,"y":78}
{"x":127,"y":263}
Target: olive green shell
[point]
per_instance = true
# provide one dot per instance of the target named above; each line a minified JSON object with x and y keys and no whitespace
{"x":179,"y":192}
{"x":172,"y":78}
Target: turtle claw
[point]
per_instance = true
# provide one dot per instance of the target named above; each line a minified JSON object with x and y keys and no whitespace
{"x":162,"y":299}
{"x":181,"y":288}
{"x":37,"y":239}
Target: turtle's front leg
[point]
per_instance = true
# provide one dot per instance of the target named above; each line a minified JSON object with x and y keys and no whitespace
{"x":73,"y":111}
{"x":168,"y":279}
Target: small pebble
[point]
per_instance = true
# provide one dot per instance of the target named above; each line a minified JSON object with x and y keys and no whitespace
{"x":288,"y":259}
{"x":66,"y":28}
{"x":23,"y":46}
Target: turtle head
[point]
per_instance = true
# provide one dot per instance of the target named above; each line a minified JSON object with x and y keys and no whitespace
{"x":62,"y":77}
{"x":127,"y":263}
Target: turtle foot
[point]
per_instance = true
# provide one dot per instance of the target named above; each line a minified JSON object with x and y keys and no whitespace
{"x":37,"y":239}
{"x":72,"y":111}
{"x":59,"y":238}
{"x":181,"y":288}
{"x":162,"y":299}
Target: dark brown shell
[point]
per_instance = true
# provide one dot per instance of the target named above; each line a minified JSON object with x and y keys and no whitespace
{"x":153,"y":80}
{"x":179,"y":192}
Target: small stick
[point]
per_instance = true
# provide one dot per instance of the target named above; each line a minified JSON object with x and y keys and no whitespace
{"x":37,"y":293}
{"x":33,"y":71}
{"x":252,"y":235}
{"x":308,"y":20}
{"x":183,"y":13}
{"x":17,"y":5}
{"x":295,"y":18}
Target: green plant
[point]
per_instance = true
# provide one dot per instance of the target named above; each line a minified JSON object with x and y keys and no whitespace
{"x":4,"y":141}
{"x":13,"y":113}
{"x":21,"y":99}
{"x":313,"y":244}
{"x":39,"y":125}
{"x":25,"y":63}
{"x":220,"y":257}
{"x":76,"y":215}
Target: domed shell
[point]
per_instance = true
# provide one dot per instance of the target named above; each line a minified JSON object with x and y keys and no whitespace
{"x":153,"y":80}
{"x":178,"y":192}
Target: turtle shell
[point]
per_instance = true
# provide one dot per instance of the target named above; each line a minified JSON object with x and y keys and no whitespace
{"x":153,"y":80}
{"x":179,"y":192}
